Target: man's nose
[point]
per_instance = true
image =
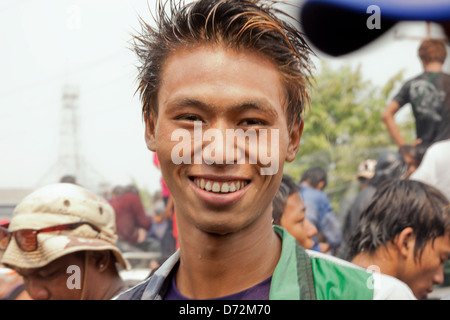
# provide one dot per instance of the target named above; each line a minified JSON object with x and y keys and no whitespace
{"x":220,"y":146}
{"x":37,"y":289}
{"x":311,"y":229}
{"x":438,"y":277}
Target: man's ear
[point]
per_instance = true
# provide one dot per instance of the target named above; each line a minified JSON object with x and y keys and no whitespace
{"x":101,"y":259}
{"x":405,"y":242}
{"x":294,"y":141}
{"x":150,"y":124}
{"x":320,"y":185}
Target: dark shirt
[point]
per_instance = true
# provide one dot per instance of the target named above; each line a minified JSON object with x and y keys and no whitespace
{"x":257,"y":292}
{"x":429,"y":96}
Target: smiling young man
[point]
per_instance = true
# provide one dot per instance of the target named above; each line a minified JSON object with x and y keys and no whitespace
{"x":237,"y":71}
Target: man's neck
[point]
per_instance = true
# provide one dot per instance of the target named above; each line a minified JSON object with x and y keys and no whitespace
{"x":379,"y":261}
{"x":115,"y":286}
{"x":213,"y":266}
{"x":433,"y":66}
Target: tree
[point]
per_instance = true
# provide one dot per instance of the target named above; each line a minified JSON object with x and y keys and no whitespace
{"x":344,"y":127}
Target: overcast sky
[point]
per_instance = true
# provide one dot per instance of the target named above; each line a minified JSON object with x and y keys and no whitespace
{"x":47,"y":44}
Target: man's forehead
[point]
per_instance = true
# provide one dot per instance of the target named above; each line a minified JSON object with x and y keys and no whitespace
{"x":442,"y":244}
{"x":220,"y":57}
{"x":201,"y":76}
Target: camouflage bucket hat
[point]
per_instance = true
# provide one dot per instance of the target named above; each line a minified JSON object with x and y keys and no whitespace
{"x":60,"y":204}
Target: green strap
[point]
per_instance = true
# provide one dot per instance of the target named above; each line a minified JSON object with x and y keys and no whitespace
{"x":292,"y":278}
{"x":305,"y":275}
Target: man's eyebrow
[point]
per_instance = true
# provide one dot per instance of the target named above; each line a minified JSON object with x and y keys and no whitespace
{"x":256,"y":104}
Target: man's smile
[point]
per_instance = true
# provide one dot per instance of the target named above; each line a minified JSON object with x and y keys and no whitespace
{"x":220,"y":186}
{"x":219,"y":191}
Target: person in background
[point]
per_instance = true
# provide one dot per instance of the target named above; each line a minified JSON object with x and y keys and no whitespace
{"x":390,"y":165}
{"x":11,"y":283}
{"x":427,"y":93}
{"x":61,"y":240}
{"x":366,"y":171}
{"x":289,"y":213}
{"x":130,"y":217}
{"x":405,"y":233}
{"x":319,"y":210}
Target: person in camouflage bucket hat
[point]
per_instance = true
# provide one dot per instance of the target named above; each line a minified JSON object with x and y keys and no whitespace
{"x":61,"y":239}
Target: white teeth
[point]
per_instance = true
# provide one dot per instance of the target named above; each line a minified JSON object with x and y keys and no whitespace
{"x":216,"y":187}
{"x":220,"y":187}
{"x":224,"y":188}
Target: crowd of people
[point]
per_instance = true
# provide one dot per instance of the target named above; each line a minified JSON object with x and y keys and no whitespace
{"x":225,"y":229}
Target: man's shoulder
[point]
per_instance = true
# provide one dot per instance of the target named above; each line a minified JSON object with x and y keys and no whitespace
{"x":336,"y":278}
{"x":154,"y":287}
{"x":134,"y":293}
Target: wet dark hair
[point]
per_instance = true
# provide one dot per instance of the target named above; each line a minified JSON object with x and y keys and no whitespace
{"x":238,"y":24}
{"x":314,"y":175}
{"x":396,"y":205}
{"x":287,"y":187}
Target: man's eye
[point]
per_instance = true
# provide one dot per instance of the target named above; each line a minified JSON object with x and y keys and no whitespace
{"x":47,"y":275}
{"x":252,"y":122}
{"x":189,"y":117}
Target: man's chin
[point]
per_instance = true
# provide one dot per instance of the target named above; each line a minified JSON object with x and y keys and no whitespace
{"x":219,"y":229}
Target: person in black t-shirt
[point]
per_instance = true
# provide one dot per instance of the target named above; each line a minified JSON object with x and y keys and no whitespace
{"x":429,"y":96}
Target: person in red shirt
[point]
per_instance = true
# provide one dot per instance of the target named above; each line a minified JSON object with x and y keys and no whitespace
{"x":130,"y":214}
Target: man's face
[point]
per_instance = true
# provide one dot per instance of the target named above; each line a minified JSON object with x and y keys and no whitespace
{"x":295,"y":222}
{"x":215,"y":90}
{"x":422,"y":274}
{"x":50,"y":281}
